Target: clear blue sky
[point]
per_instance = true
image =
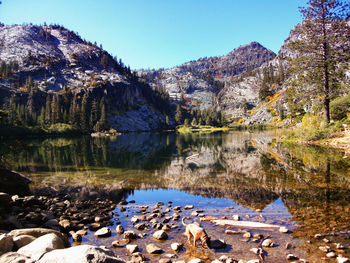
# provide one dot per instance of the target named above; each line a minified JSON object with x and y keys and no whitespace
{"x":163,"y":33}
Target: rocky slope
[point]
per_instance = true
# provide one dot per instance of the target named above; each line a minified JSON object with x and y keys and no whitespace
{"x":199,"y":81}
{"x":57,"y":59}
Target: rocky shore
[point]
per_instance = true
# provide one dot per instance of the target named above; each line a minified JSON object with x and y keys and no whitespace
{"x":79,"y":224}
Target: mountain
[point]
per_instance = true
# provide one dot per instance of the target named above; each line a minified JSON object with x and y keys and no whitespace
{"x":41,"y":63}
{"x":200,"y":81}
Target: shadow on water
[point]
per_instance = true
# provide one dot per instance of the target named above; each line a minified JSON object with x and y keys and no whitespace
{"x":251,"y":170}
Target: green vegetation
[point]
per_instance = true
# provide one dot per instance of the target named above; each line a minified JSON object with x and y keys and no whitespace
{"x":313,"y":128}
{"x":199,"y":128}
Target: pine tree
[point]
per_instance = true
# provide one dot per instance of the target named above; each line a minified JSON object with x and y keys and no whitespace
{"x":324,"y":44}
{"x":178,"y":115}
{"x":83,"y":114}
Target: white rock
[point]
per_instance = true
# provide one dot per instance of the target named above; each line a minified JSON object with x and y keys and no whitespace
{"x":103,"y":232}
{"x":14,"y":257}
{"x":176,"y":246}
{"x":267,"y":243}
{"x":81,"y":254}
{"x":41,"y":245}
{"x":283,"y":229}
{"x":160,"y":235}
{"x":132,"y":248}
{"x":196,"y":260}
{"x":341,"y":259}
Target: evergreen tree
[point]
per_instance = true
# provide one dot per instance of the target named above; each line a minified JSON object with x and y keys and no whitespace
{"x":178,"y":115}
{"x":324,"y":44}
{"x":83,"y":114}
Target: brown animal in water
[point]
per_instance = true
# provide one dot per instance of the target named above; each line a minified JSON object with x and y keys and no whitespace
{"x":197,"y":232}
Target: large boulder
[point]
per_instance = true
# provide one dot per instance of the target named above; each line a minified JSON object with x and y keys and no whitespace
{"x":38,"y":232}
{"x":42,"y":245}
{"x":13,"y":183}
{"x":81,"y":254}
{"x":6,"y":243}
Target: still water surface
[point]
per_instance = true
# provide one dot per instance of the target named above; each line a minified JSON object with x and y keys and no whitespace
{"x":305,"y":188}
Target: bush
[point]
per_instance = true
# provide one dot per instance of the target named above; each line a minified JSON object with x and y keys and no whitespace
{"x":313,"y":128}
{"x":340,"y":107}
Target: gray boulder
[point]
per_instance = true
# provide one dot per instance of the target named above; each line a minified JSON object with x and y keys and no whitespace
{"x":41,"y":245}
{"x":81,"y":254}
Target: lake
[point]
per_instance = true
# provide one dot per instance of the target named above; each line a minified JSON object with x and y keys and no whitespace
{"x":249,"y":174}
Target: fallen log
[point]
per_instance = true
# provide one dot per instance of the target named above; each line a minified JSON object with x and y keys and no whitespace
{"x":247,"y":224}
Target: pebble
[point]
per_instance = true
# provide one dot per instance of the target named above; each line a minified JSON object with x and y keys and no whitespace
{"x":236,"y":217}
{"x":137,"y":257}
{"x":283,"y":229}
{"x":132,"y":248}
{"x":160,"y":235}
{"x":103,"y":232}
{"x":120,"y":243}
{"x":77,"y":237}
{"x":130,"y":235}
{"x":341,"y":259}
{"x":119,"y":229}
{"x":165,"y":260}
{"x":324,"y":248}
{"x":153,"y":249}
{"x":188,"y":207}
{"x":331,"y":255}
{"x":247,"y":235}
{"x":267,"y":243}
{"x":176,"y":246}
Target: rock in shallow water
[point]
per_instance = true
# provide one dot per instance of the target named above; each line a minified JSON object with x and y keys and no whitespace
{"x":103,"y":232}
{"x":160,"y":235}
{"x":153,"y":249}
{"x":81,"y":254}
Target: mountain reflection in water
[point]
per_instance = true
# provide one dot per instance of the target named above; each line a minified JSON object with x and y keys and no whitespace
{"x":250,"y":169}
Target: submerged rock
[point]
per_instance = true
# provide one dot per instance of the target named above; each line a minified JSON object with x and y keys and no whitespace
{"x":153,"y":249}
{"x":81,"y":254}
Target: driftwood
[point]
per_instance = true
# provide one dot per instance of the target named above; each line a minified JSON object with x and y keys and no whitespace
{"x":247,"y":224}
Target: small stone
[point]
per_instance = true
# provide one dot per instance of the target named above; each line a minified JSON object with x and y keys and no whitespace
{"x":132,"y":248}
{"x":247,"y":235}
{"x":283,"y":229}
{"x":341,"y":259}
{"x":223,"y":258}
{"x":258,"y":210}
{"x":165,"y":260}
{"x":317,"y":236}
{"x":188,"y":207}
{"x":177,"y":208}
{"x":325,"y":249}
{"x":236,"y":217}
{"x":340,"y":246}
{"x":217,"y":244}
{"x":196,"y":260}
{"x":120,"y":243}
{"x":130,"y":235}
{"x":119,"y":229}
{"x":253,"y":261}
{"x":103,"y":232}
{"x":291,"y":257}
{"x":267,"y":243}
{"x":326,"y":240}
{"x":153,"y":249}
{"x":140,"y":226}
{"x":331,"y":255}
{"x":137,"y":257}
{"x":77,"y":237}
{"x":176,"y":247}
{"x":194,"y":213}
{"x":289,"y":246}
{"x":217,"y":261}
{"x":160,"y":235}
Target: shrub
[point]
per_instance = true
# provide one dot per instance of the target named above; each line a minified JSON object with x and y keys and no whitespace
{"x":313,"y":128}
{"x":340,"y":107}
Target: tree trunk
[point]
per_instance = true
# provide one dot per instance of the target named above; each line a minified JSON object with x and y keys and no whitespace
{"x":325,"y":70}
